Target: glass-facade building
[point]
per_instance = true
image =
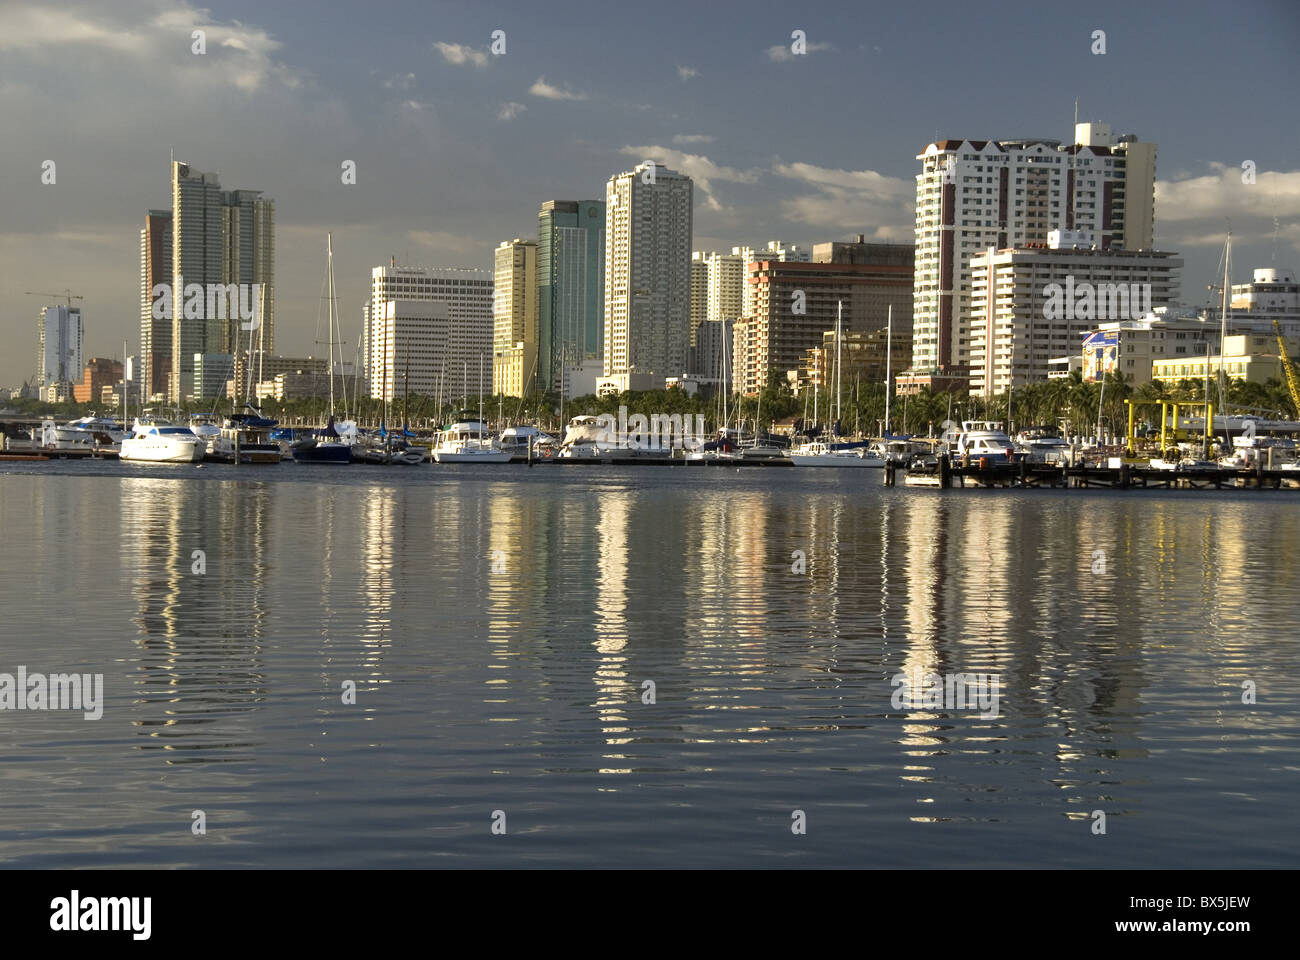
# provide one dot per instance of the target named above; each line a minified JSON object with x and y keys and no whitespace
{"x":570,"y":286}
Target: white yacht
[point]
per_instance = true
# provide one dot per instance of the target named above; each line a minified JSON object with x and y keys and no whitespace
{"x":820,"y":454}
{"x":1044,"y":445}
{"x":101,"y":432}
{"x":589,"y":438}
{"x":468,"y":441}
{"x":158,"y":441}
{"x":986,"y":440}
{"x":515,"y":440}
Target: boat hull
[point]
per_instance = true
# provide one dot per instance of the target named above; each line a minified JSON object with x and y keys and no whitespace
{"x":155,"y":450}
{"x":324,"y":453}
{"x":493,"y":456}
{"x":834,"y":460}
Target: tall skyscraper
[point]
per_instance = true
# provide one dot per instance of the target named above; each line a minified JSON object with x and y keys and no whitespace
{"x":451,"y":305}
{"x":514,"y":319}
{"x":155,"y":334}
{"x":58,"y":350}
{"x":648,"y":273}
{"x":218,"y":238}
{"x":975,"y":194}
{"x":570,"y":286}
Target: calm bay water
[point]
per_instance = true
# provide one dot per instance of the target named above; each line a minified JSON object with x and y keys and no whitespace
{"x":499,"y":624}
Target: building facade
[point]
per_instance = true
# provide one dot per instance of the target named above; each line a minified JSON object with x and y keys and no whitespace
{"x":100,"y":372}
{"x":514,"y":316}
{"x":218,"y":238}
{"x":647,"y":273}
{"x":795,"y":303}
{"x":464,"y":313}
{"x":972,"y":195}
{"x":1032,"y":304}
{"x":155,"y":333}
{"x":570,"y":287}
{"x":58,"y":348}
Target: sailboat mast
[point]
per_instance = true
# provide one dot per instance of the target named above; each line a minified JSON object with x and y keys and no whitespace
{"x":1223,"y":321}
{"x":839,"y":375}
{"x":329,"y":292}
{"x":889,"y":376}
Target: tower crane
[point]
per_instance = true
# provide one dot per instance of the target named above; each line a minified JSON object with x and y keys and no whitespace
{"x":65,"y":295}
{"x":1288,"y":368}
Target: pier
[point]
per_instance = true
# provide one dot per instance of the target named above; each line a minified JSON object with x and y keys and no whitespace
{"x":1126,"y":476}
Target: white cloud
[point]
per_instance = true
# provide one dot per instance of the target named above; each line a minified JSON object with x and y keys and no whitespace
{"x":550,"y":92}
{"x":510,"y":110}
{"x":683,"y":139}
{"x":1222,"y":194}
{"x":851,"y":199}
{"x":700,"y":169}
{"x":402,"y":81}
{"x":459,"y":54}
{"x":781,"y":52}
{"x":158,"y":34}
{"x":687,"y":73}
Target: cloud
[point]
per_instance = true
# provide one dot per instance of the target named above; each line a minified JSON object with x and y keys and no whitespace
{"x":159,"y":37}
{"x":459,"y":54}
{"x":851,"y":199}
{"x":781,"y":52}
{"x":549,"y":92}
{"x":683,"y":139}
{"x":700,"y":169}
{"x":510,"y":110}
{"x":687,"y":73}
{"x":401,"y":81}
{"x":1222,"y":194}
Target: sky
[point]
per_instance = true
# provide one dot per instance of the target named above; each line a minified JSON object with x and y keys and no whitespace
{"x":456,"y":147}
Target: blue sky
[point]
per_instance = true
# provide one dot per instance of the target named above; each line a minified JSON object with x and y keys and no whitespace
{"x":456,"y":148}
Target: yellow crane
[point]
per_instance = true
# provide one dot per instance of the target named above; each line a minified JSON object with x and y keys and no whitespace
{"x":1288,"y":368}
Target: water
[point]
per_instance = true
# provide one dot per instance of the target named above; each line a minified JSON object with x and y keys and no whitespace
{"x":499,"y":624}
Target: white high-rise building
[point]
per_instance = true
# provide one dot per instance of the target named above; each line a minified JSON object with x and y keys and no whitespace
{"x":58,"y":346}
{"x":647,"y":273}
{"x":1031,"y":305}
{"x":975,"y":194}
{"x":447,"y":340}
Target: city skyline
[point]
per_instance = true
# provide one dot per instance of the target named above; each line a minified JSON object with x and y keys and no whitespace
{"x":480,"y":140}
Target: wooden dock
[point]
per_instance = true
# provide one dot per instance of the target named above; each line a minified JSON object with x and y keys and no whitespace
{"x":1026,"y":475}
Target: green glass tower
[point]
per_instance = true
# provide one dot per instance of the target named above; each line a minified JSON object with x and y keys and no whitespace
{"x":570,"y":286}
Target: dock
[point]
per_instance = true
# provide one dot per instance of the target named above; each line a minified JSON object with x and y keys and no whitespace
{"x":1025,"y":475}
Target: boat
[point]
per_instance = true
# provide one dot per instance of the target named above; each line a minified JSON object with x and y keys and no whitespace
{"x":468,"y":441}
{"x":333,"y":442}
{"x":590,"y":438}
{"x":820,"y":454}
{"x":1044,"y":445}
{"x":94,"y":432}
{"x":900,"y":451}
{"x":984,"y":440}
{"x":245,"y":438}
{"x":517,"y":440}
{"x":160,"y":441}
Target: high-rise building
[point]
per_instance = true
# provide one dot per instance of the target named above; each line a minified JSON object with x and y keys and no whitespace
{"x":100,"y":372}
{"x":460,"y":322}
{"x":570,"y":287}
{"x":775,"y":250}
{"x":426,"y":347}
{"x":218,"y":238}
{"x":1032,"y":304}
{"x":155,"y":334}
{"x":796,"y":302}
{"x":58,"y":348}
{"x":699,"y":292}
{"x":647,"y":273}
{"x":975,"y":194}
{"x":514,"y":315}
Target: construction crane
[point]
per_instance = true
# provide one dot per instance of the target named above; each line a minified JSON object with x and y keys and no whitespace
{"x":65,"y":295}
{"x":1292,"y":380}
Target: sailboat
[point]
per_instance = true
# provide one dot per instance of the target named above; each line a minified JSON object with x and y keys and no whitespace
{"x":468,"y":440}
{"x":820,"y":453}
{"x":330,"y":443}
